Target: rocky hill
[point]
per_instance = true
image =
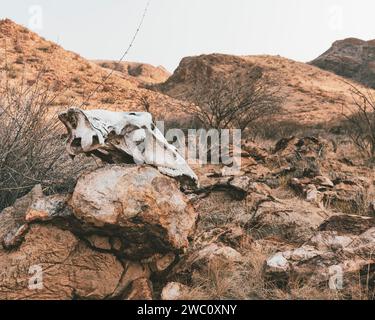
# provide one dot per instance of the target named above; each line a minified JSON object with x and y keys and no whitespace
{"x":144,"y":72}
{"x":26,"y":56}
{"x":351,"y":58}
{"x":311,"y":95}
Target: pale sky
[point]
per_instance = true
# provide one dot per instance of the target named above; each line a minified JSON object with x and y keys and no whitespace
{"x":101,"y":29}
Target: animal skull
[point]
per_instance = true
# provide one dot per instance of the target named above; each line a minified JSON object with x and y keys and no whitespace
{"x":123,"y":137}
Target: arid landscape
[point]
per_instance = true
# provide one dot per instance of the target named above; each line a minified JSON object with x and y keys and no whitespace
{"x":296,"y":221}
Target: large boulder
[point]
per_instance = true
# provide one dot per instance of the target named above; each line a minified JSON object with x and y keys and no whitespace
{"x":147,"y":209}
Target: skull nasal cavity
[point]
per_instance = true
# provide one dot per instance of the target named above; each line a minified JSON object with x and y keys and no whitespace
{"x":95,"y":140}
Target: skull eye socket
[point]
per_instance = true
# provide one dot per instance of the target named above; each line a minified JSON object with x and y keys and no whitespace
{"x":76,"y":142}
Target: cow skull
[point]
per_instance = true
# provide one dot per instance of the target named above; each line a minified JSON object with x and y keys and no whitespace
{"x":123,"y":137}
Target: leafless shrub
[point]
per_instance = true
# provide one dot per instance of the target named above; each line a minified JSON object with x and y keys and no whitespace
{"x":32,"y":150}
{"x":361,"y":121}
{"x":234,"y":102}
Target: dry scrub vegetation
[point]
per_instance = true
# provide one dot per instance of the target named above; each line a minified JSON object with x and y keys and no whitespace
{"x":32,"y":149}
{"x":237,"y":103}
{"x":360,"y":124}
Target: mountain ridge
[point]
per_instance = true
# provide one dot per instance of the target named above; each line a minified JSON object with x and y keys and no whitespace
{"x":312,"y":95}
{"x":352,"y":58}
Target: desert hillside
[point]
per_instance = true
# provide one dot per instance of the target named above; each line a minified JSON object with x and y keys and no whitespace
{"x":352,"y":58}
{"x":144,"y":72}
{"x":311,"y":95}
{"x":100,"y":213}
{"x":24,"y":55}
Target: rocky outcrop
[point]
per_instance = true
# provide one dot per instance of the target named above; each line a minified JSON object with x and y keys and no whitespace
{"x":302,"y":156}
{"x":203,"y":69}
{"x":351,"y":58}
{"x":324,"y":256}
{"x":287,"y":219}
{"x":121,"y":225}
{"x":308,"y":90}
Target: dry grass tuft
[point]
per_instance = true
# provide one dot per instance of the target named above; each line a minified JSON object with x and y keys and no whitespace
{"x":228,"y":280}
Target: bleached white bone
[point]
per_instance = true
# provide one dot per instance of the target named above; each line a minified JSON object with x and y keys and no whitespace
{"x":125,"y":137}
